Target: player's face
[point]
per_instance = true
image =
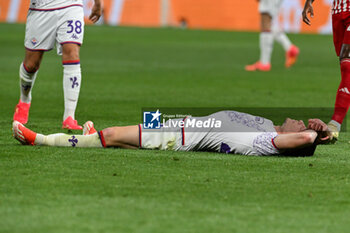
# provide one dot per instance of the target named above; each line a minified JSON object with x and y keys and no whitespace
{"x":290,"y":126}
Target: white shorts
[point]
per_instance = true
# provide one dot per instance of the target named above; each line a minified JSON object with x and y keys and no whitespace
{"x":45,"y":28}
{"x":161,"y":139}
{"x":270,"y":6}
{"x":174,"y":138}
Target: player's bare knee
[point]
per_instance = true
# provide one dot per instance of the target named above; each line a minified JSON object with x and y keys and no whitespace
{"x":70,"y":52}
{"x":71,"y":55}
{"x":32,"y":60}
{"x":344,"y":52}
{"x":32,"y":63}
{"x":266,"y":20}
{"x":108,"y":135}
{"x":31,"y":66}
{"x":111,"y":136}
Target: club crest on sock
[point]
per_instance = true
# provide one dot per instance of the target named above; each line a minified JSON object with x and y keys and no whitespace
{"x":74,"y":82}
{"x":73,"y":141}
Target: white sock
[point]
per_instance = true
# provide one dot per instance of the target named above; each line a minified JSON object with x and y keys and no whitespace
{"x":266,"y":46}
{"x":71,"y":88}
{"x":283,"y":39}
{"x":336,"y":124}
{"x":26,"y":82}
{"x":61,"y":139}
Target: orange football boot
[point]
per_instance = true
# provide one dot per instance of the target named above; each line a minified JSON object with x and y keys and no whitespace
{"x":258,"y":66}
{"x":89,"y":128}
{"x":292,"y":56}
{"x":70,"y":123}
{"x":21,"y":112}
{"x":22,"y":134}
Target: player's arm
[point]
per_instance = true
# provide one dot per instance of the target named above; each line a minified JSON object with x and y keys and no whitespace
{"x":317,"y":133}
{"x":96,"y":11}
{"x":295,"y":140}
{"x":308,"y":9}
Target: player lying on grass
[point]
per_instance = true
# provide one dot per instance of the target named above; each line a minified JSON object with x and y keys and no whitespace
{"x":226,"y":132}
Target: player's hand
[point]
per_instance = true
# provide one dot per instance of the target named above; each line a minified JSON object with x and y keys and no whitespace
{"x":308,"y":9}
{"x":317,"y":125}
{"x":323,"y":133}
{"x":95,"y":13}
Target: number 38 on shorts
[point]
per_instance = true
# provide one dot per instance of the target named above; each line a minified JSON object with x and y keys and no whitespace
{"x":74,"y":26}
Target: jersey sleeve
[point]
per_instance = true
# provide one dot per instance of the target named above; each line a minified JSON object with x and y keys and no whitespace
{"x":264,"y":144}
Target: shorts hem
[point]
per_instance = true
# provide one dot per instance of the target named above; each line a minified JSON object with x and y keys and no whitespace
{"x":37,"y":50}
{"x":71,"y":42}
{"x":140,"y":136}
{"x":55,"y":9}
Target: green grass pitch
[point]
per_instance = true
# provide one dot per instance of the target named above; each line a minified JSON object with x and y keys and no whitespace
{"x":46,"y":189}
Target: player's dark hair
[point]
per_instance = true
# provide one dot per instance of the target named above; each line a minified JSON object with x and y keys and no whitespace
{"x":301,"y":152}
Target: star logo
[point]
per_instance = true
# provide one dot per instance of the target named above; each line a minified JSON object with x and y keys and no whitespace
{"x":151,"y":120}
{"x":156,"y":115}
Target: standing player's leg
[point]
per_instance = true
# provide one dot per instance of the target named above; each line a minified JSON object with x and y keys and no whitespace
{"x":28,"y":71}
{"x":69,"y":38}
{"x":71,"y":83}
{"x":341,"y":39}
{"x":266,"y":40}
{"x":291,"y":50}
{"x":39,"y":37}
{"x":266,"y":45}
{"x":342,"y":101}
